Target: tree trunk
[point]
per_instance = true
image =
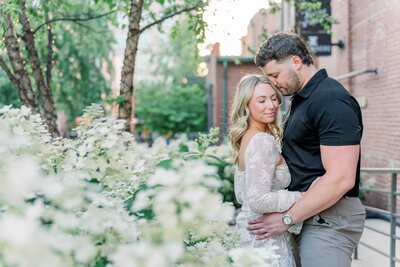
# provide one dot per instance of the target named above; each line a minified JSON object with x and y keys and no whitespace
{"x":50,"y":37}
{"x":20,"y":79}
{"x":50,"y":115}
{"x":126,"y":86}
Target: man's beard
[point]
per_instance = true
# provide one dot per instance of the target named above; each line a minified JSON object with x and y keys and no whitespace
{"x":292,"y":86}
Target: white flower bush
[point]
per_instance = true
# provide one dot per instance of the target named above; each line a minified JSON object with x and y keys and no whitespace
{"x":260,"y":257}
{"x":105,"y":200}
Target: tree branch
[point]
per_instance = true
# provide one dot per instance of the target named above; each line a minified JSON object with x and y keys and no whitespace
{"x":83,"y":26}
{"x":73,"y":19}
{"x":167,"y":17}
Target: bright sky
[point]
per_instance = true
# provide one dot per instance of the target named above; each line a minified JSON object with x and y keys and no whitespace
{"x":228,"y":21}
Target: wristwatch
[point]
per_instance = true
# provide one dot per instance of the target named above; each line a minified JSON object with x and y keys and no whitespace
{"x":287,"y":219}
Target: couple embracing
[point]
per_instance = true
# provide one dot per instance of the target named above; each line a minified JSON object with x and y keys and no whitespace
{"x":298,"y":185}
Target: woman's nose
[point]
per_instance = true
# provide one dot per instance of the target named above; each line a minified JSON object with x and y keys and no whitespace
{"x":270,"y":104}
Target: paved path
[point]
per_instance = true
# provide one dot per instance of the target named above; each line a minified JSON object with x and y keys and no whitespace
{"x":370,"y":258}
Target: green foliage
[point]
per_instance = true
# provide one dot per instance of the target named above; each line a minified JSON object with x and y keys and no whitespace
{"x":175,"y":109}
{"x":8,"y":95}
{"x":83,"y":52}
{"x":216,"y":156}
{"x":101,"y":262}
{"x":179,"y":57}
{"x":206,"y":140}
{"x":226,"y":175}
{"x":81,"y":49}
{"x":192,"y":14}
{"x":314,"y":13}
{"x":81,"y":45}
{"x":177,"y":101}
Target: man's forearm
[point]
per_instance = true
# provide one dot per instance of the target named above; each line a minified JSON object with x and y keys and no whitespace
{"x":340,"y":163}
{"x":324,"y":194}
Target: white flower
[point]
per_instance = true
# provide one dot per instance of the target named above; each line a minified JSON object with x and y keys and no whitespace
{"x":141,"y":201}
{"x":20,"y":179}
{"x":84,"y":184}
{"x":17,"y":231}
{"x":18,"y":130}
{"x":164,"y":177}
{"x":85,"y":250}
{"x":251,"y":256}
{"x":5,"y":109}
{"x":25,"y":111}
{"x":193,"y":194}
{"x":140,"y":255}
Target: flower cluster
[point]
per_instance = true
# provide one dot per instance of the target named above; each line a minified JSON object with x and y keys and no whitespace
{"x":103,"y":199}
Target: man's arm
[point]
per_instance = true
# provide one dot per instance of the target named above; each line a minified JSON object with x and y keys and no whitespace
{"x":340,"y":163}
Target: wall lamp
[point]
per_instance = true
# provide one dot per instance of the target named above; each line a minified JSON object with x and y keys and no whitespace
{"x":339,"y":44}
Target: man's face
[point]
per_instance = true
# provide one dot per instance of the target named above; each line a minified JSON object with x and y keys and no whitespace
{"x":283,"y":76}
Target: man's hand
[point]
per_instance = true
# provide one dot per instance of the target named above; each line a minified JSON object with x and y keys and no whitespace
{"x":267,"y":225}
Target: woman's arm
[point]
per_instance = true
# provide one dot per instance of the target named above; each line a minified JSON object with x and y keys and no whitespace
{"x":260,"y":161}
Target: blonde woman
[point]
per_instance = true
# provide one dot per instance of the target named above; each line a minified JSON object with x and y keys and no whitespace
{"x":261,"y":173}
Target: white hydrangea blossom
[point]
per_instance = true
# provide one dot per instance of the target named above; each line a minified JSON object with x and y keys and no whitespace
{"x":67,"y":202}
{"x":248,"y":257}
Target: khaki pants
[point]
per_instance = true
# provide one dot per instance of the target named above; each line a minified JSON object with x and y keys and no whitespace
{"x":329,"y":238}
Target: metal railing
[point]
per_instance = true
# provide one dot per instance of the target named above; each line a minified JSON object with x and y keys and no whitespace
{"x":392,"y":214}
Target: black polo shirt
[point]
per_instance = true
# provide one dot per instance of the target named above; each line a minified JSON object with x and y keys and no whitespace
{"x":322,"y":113}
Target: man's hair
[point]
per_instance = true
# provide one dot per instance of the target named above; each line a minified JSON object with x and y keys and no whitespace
{"x":280,"y":46}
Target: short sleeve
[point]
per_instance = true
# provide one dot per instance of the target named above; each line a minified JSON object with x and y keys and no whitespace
{"x":340,"y":122}
{"x":260,"y":161}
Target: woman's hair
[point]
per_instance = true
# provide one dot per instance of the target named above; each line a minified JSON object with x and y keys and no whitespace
{"x":239,"y":114}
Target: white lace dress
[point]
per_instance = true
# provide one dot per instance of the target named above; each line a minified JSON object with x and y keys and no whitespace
{"x":260,"y":189}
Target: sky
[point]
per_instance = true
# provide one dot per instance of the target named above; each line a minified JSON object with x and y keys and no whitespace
{"x":228,"y":21}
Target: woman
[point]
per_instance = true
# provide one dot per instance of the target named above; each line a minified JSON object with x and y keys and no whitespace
{"x":261,"y":173}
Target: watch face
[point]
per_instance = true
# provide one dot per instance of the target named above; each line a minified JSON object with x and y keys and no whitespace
{"x":287,"y":220}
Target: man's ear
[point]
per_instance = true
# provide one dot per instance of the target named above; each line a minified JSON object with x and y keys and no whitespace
{"x":296,"y":62}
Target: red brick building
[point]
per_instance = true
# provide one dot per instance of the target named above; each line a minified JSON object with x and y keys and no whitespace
{"x":368,"y":66}
{"x":223,"y":76}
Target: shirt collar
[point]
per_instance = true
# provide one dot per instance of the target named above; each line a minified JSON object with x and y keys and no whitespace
{"x":312,"y":83}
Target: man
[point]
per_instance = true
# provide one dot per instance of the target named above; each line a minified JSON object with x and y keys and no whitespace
{"x":321,"y":140}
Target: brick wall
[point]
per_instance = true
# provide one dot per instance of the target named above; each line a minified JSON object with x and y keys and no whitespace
{"x":215,"y":79}
{"x":375,"y":43}
{"x":371,"y":33}
{"x":262,"y":21}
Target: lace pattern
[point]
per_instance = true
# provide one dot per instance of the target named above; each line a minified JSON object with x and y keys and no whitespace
{"x":260,"y":189}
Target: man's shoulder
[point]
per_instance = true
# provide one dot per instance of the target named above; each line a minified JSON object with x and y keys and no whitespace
{"x":329,"y":88}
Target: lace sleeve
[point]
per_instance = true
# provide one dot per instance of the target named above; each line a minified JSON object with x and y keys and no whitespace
{"x":236,"y":187}
{"x":261,"y":156}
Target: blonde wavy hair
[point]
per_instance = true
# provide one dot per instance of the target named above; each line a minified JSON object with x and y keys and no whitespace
{"x":239,"y":114}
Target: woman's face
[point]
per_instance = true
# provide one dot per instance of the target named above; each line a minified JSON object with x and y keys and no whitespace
{"x":263,"y":104}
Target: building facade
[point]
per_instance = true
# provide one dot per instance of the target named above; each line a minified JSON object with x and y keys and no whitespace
{"x":367,"y":65}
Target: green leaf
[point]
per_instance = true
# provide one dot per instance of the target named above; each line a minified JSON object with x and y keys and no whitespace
{"x":166,"y":164}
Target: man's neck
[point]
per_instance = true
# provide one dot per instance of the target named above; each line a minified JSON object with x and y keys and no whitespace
{"x":308,"y":73}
